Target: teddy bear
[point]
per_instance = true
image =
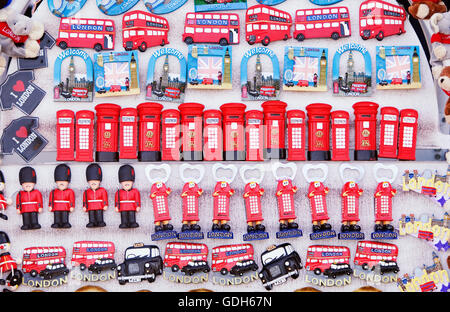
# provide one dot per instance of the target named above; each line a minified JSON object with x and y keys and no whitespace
{"x":444,"y":84}
{"x":19,"y":36}
{"x":424,"y":9}
{"x":440,"y":42}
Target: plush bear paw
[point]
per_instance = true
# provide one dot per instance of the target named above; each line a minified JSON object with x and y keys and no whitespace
{"x":440,"y":52}
{"x":37,"y":31}
{"x":32,"y":48}
{"x":436,"y":71}
{"x":422,"y":11}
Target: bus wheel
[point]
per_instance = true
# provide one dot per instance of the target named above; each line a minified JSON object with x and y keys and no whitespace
{"x":163,"y":43}
{"x":63,"y":45}
{"x":286,"y":37}
{"x":265,"y":41}
{"x":188,"y":40}
{"x":224,"y":271}
{"x":223,"y":42}
{"x":335,"y":36}
{"x":251,"y":42}
{"x":300,"y":37}
{"x":317,"y":271}
{"x":98,"y":47}
{"x":365,"y":266}
{"x":143,"y":47}
{"x":175,"y":268}
{"x":33,"y":273}
{"x":400,"y":31}
{"x":380,"y":36}
{"x":82,"y":267}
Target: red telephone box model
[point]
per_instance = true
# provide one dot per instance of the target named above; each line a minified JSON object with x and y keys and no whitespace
{"x":171,"y":134}
{"x":286,"y":208}
{"x":350,"y":207}
{"x":407,"y":134}
{"x":365,"y":130}
{"x":274,"y":121}
{"x":149,"y":131}
{"x":65,"y":135}
{"x":233,"y":131}
{"x":296,"y":127}
{"x":221,"y":212}
{"x":388,"y":132}
{"x":128,"y":137}
{"x":191,"y":131}
{"x":317,"y":193}
{"x":318,"y":131}
{"x":252,"y":195}
{"x":212,"y":134}
{"x":191,"y":193}
{"x":107,"y":132}
{"x":159,"y":193}
{"x":383,"y":207}
{"x":340,"y":132}
{"x":84,"y":135}
{"x":254,"y":135}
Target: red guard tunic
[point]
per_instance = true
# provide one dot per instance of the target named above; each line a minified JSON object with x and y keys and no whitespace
{"x":252,"y":195}
{"x":95,"y":200}
{"x":190,"y":195}
{"x":350,"y":201}
{"x":159,"y":193}
{"x":222,"y":194}
{"x":383,"y":201}
{"x":317,"y":197}
{"x":7,"y":263}
{"x":3,"y":203}
{"x":128,"y":200}
{"x":61,"y":200}
{"x":285,"y":195}
{"x":29,"y":201}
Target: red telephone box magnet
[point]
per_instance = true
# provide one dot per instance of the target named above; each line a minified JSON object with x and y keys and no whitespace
{"x":296,"y":127}
{"x":149,"y":131}
{"x":84,"y":146}
{"x":407,"y":134}
{"x":107,"y":132}
{"x":191,"y":131}
{"x":128,"y":137}
{"x":274,"y":121}
{"x":212,"y":135}
{"x":171,"y":134}
{"x":365,"y":130}
{"x":388,"y":132}
{"x":233,"y":131}
{"x":318,"y":131}
{"x":340,"y":132}
{"x":65,"y":135}
{"x":254,"y":135}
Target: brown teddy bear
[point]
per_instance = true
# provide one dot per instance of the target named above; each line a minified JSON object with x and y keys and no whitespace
{"x":424,"y":9}
{"x":444,"y":83}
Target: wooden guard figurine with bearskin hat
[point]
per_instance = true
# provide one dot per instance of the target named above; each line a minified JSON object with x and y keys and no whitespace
{"x":29,"y":200}
{"x":62,"y":199}
{"x":4,"y":202}
{"x":95,"y":198}
{"x":8,"y":264}
{"x":127,"y":199}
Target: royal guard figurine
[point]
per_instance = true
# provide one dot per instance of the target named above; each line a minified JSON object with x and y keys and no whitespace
{"x":8,"y":264}
{"x":4,"y":202}
{"x":128,"y":199}
{"x":95,"y":198}
{"x":29,"y":201}
{"x":62,"y":199}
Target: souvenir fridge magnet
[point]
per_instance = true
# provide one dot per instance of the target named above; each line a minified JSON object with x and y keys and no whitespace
{"x":21,"y":137}
{"x":163,"y":6}
{"x":383,"y":202}
{"x":95,"y":198}
{"x":427,"y":278}
{"x":330,"y":22}
{"x":116,"y":73}
{"x":350,"y":202}
{"x":44,"y":266}
{"x":264,"y":85}
{"x":62,"y":199}
{"x":92,"y":33}
{"x":95,"y":261}
{"x":219,"y":5}
{"x":29,"y":200}
{"x":141,"y":262}
{"x":285,"y":199}
{"x":220,"y":29}
{"x":270,"y":2}
{"x":221,"y":201}
{"x":4,"y":201}
{"x":46,"y":42}
{"x":305,"y":69}
{"x":209,"y":67}
{"x":115,"y":7}
{"x":376,"y":262}
{"x":282,"y":259}
{"x":324,"y":2}
{"x":128,"y":198}
{"x":233,"y":264}
{"x":398,"y":67}
{"x":328,"y":266}
{"x":253,"y":208}
{"x":10,"y":275}
{"x":378,"y":19}
{"x":159,"y":193}
{"x":317,"y":193}
{"x":186,"y":263}
{"x":76,"y":87}
{"x":66,"y":7}
{"x":190,"y":202}
{"x":139,"y":33}
{"x":357,"y":80}
{"x":166,"y":84}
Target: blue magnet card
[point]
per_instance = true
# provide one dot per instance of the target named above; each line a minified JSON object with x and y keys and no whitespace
{"x":112,"y":7}
{"x":219,"y":5}
{"x":163,"y":6}
{"x":270,"y":2}
{"x":66,"y":8}
{"x":325,"y":2}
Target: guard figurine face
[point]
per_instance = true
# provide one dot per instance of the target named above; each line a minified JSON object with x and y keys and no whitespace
{"x":62,"y":185}
{"x":127,"y":185}
{"x":28,"y":186}
{"x":94,"y":184}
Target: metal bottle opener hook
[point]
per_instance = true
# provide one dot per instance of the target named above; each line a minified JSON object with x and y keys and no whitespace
{"x":199,"y":168}
{"x":277,"y":165}
{"x":346,"y":166}
{"x":308,"y":167}
{"x":149,"y":168}
{"x":379,"y":166}
{"x":246,"y":168}
{"x":231,"y":168}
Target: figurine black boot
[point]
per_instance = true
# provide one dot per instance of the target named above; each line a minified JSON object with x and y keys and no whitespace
{"x":26,"y":221}
{"x":34,"y":221}
{"x":185,"y":227}
{"x":65,"y":220}
{"x":195,"y":227}
{"x":325,"y":227}
{"x":225,"y":227}
{"x":91,"y":223}
{"x":250,"y":229}
{"x":316,"y":228}
{"x":378,"y":228}
{"x":56,"y":220}
{"x":167,"y":227}
{"x":158,"y":228}
{"x":124,"y":220}
{"x":355,"y":228}
{"x":388,"y":228}
{"x":215,"y":227}
{"x":132,"y":220}
{"x":99,"y":218}
{"x":283,"y":226}
{"x":293,"y":225}
{"x":345,"y":228}
{"x":260,"y":228}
